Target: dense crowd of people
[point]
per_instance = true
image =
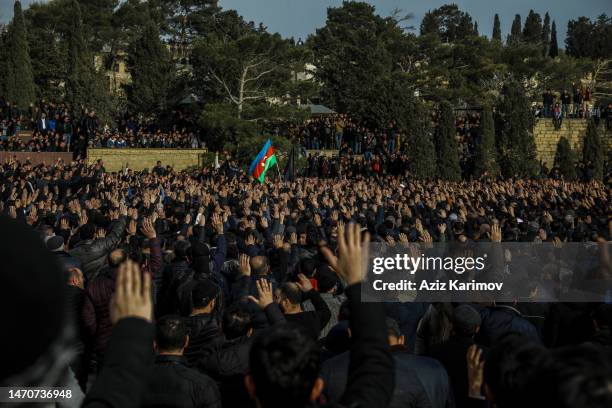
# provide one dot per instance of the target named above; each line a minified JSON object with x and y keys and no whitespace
{"x":56,"y":127}
{"x":208,"y":289}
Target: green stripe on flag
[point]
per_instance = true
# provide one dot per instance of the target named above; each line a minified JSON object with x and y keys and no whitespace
{"x":270,"y":161}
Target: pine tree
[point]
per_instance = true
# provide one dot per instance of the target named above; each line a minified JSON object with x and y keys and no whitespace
{"x":514,"y":136}
{"x":496,"y":29}
{"x":565,"y":159}
{"x":553,"y":51}
{"x":18,"y":80}
{"x":151,"y":71}
{"x":446,"y":145}
{"x":515,"y":31}
{"x":592,"y":151}
{"x":532,"y":32}
{"x":84,"y":86}
{"x":546,"y":34}
{"x":485,"y":161}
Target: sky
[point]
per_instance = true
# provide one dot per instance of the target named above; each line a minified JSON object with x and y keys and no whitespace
{"x":299,"y":18}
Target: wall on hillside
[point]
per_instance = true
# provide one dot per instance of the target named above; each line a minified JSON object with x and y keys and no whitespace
{"x":140,"y":159}
{"x":547,"y":138}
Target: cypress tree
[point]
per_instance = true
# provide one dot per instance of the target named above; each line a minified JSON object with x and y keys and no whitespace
{"x":485,"y":161}
{"x":546,"y":34}
{"x":18,"y":78}
{"x":592,"y":151}
{"x":515,"y":141}
{"x":553,"y":51}
{"x":515,"y":31}
{"x":422,"y":152}
{"x":565,"y":159}
{"x":476,"y":28}
{"x":532,"y":32}
{"x":496,"y":29}
{"x":446,"y":145}
{"x":84,"y":86}
{"x":151,"y":69}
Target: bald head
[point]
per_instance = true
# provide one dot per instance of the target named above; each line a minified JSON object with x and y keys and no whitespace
{"x":260,"y":265}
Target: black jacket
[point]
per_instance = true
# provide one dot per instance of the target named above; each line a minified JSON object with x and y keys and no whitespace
{"x":312,"y":321}
{"x":452,"y":355}
{"x":228,"y":363}
{"x":371,"y":378}
{"x":172,"y":384}
{"x":409,"y":391}
{"x":204,"y":332}
{"x":92,"y":253}
{"x":120,"y":382}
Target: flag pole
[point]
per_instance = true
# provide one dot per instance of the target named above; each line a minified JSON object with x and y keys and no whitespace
{"x":278,"y":170}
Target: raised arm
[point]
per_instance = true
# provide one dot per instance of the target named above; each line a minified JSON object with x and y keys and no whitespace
{"x":371,"y":377}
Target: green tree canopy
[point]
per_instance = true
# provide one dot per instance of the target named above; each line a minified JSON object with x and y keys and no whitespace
{"x":18,"y":80}
{"x":151,"y":70}
{"x":515,"y":35}
{"x":514,"y":134}
{"x":532,"y":32}
{"x":448,"y":22}
{"x":565,"y":159}
{"x":446,"y":144}
{"x":485,"y":161}
{"x":496,"y":29}
{"x":592,"y":152}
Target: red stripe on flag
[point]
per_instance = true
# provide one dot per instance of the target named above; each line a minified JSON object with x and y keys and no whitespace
{"x":261,"y":166}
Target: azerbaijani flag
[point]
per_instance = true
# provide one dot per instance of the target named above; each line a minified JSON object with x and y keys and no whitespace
{"x":264,"y":160}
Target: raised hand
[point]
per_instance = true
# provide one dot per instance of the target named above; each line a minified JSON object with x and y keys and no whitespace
{"x":495,"y":234}
{"x":351,"y":253}
{"x":245,"y":265}
{"x":304,"y":283}
{"x":475,"y":365}
{"x":265,"y":297}
{"x":147,"y":229}
{"x":132,"y":297}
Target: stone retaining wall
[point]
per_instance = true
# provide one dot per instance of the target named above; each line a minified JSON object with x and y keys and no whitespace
{"x":547,"y":138}
{"x":140,"y":159}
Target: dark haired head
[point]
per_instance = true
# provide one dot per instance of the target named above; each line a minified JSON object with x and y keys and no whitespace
{"x":203,"y":292}
{"x":170,"y":333}
{"x":291,"y":292}
{"x":580,"y":377}
{"x":182,"y":250}
{"x":87,"y":231}
{"x":512,"y":370}
{"x":237,"y":321}
{"x":284,"y":365}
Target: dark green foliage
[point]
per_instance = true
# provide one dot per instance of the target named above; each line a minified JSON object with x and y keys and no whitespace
{"x":546,"y":34}
{"x":592,"y":152}
{"x":553,"y":51}
{"x":151,"y":70}
{"x":515,"y":36}
{"x":446,"y":145}
{"x":565,"y":159}
{"x":532,"y":32}
{"x":514,"y":135}
{"x":47,"y":24}
{"x":485,"y":161}
{"x":449,"y":23}
{"x":355,"y":47}
{"x":18,"y":80}
{"x":589,"y":39}
{"x":85,"y":87}
{"x":496,"y":29}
